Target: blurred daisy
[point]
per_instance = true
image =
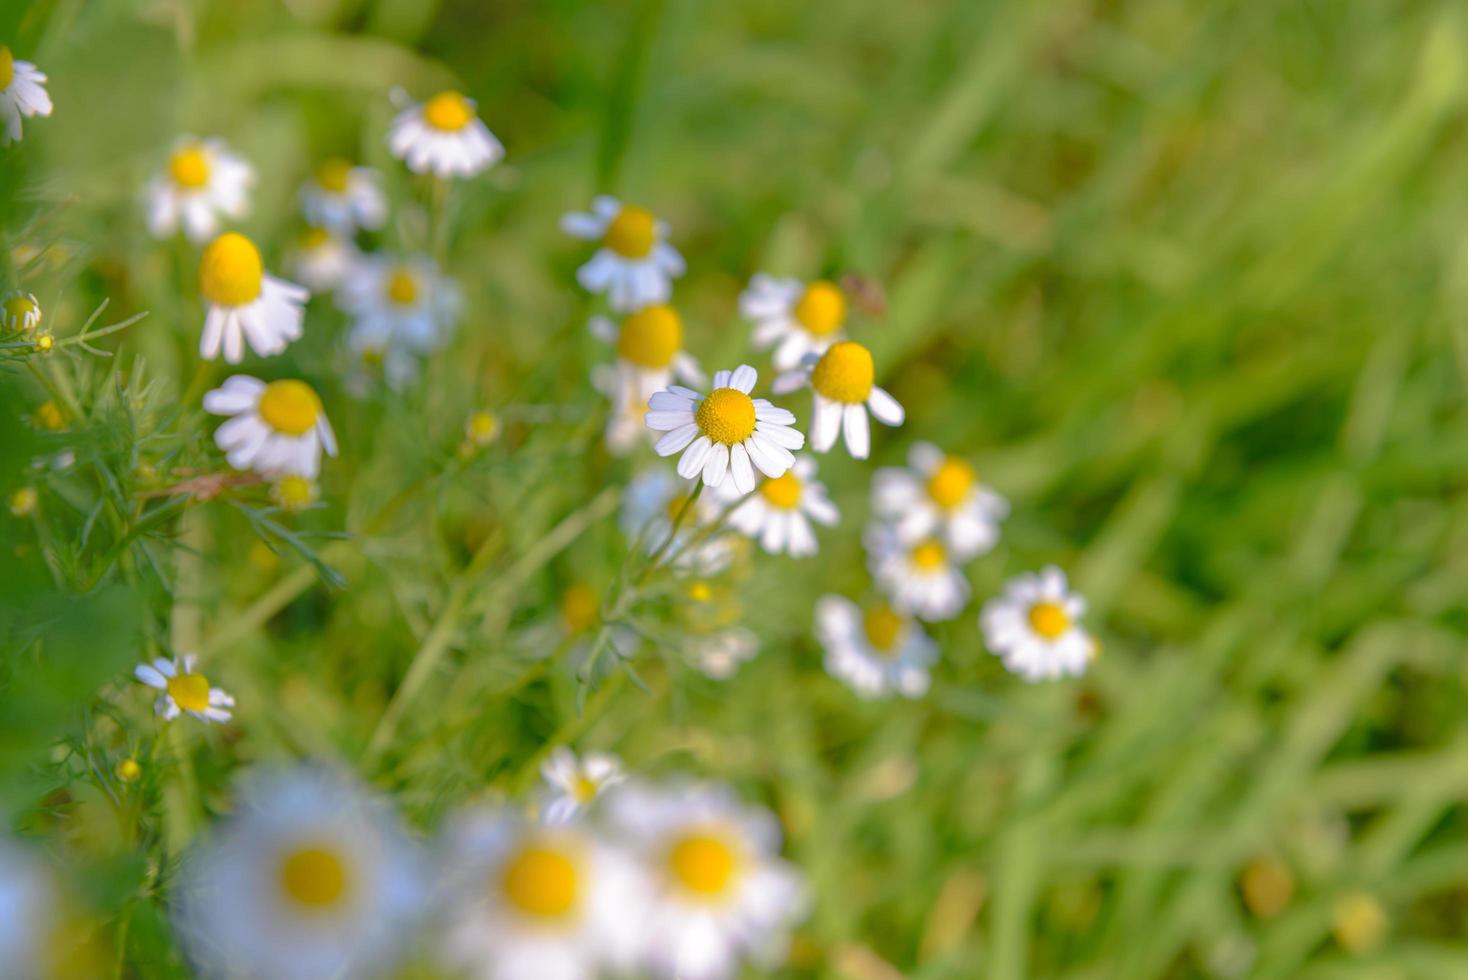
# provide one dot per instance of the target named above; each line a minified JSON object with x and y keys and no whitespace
{"x":43,"y":933}
{"x":626,"y":412}
{"x":22,"y":95}
{"x":842,"y":382}
{"x":919,"y":576}
{"x":634,"y":266}
{"x":1035,"y":627}
{"x":575,"y":784}
{"x":650,"y":350}
{"x":404,"y":299}
{"x":184,"y":689}
{"x":276,"y":428}
{"x":377,"y":356}
{"x":204,"y":180}
{"x":718,"y":654}
{"x":779,"y":515}
{"x":801,"y":318}
{"x":293,"y":493}
{"x":322,"y":259}
{"x":343,"y":198}
{"x":939,"y":496}
{"x":443,"y":136}
{"x":651,"y":503}
{"x":20,"y":312}
{"x":722,"y":433}
{"x":722,"y":893}
{"x":310,"y":878}
{"x":245,"y":302}
{"x":876,"y":651}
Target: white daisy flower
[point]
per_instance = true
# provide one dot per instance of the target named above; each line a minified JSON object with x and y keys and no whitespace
{"x":575,"y":784}
{"x":526,"y":902}
{"x":203,"y":181}
{"x":443,"y":136}
{"x":939,"y":496}
{"x":184,"y":689}
{"x":841,"y":380}
{"x":795,"y":318}
{"x":650,"y":504}
{"x":722,"y":893}
{"x":1035,"y":627}
{"x":403,"y":298}
{"x":634,"y":266}
{"x":276,"y":429}
{"x":626,"y":412}
{"x":20,"y":312}
{"x":877,"y":651}
{"x":718,"y":654}
{"x":919,"y":576}
{"x":310,"y":878}
{"x":724,"y":431}
{"x":22,"y":95}
{"x":344,"y":198}
{"x":649,"y":346}
{"x":779,"y":515}
{"x":322,"y":259}
{"x":245,"y":302}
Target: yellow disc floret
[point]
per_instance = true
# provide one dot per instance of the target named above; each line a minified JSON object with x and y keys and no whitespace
{"x":1268,"y":887}
{"x":584,"y":788}
{"x":402,"y":286}
{"x":314,"y":877}
{"x":23,"y":501}
{"x":189,"y":167}
{"x":49,"y":417}
{"x":632,"y":233}
{"x":189,"y":691}
{"x":782,"y":491}
{"x":844,"y":373}
{"x":448,"y":111}
{"x":313,"y":238}
{"x":929,"y":555}
{"x":334,"y":174}
{"x":482,"y":428}
{"x":651,"y":337}
{"x":1049,"y":619}
{"x":289,"y":407}
{"x":821,"y":309}
{"x":882,"y":626}
{"x":293,"y":493}
{"x":128,"y":770}
{"x":1358,"y":922}
{"x":580,"y":607}
{"x":7,"y":67}
{"x":541,"y":881}
{"x":231,"y":273}
{"x":951,"y":482}
{"x":703,"y":863}
{"x":726,"y":416}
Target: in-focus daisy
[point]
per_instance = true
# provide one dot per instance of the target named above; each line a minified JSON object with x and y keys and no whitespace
{"x":779,"y":515}
{"x":22,"y":95}
{"x":321,"y":259}
{"x":574,"y":784}
{"x":649,"y":347}
{"x":722,"y":892}
{"x":634,"y":266}
{"x":203,"y":181}
{"x":939,"y":496}
{"x":183,"y":688}
{"x":719,"y":653}
{"x":801,"y":318}
{"x":877,"y":651}
{"x":841,"y":380}
{"x":651,"y":503}
{"x":277,"y":428}
{"x":245,"y":302}
{"x":310,"y":878}
{"x":401,"y":298}
{"x":20,"y":312}
{"x":343,"y":198}
{"x":443,"y":136}
{"x":725,"y":431}
{"x":920,"y":576}
{"x":1035,"y":627}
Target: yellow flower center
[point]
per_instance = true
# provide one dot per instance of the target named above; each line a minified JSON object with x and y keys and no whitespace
{"x":951,"y":482}
{"x":584,"y":789}
{"x":703,"y":863}
{"x":128,"y":770}
{"x":482,"y":428}
{"x":1268,"y":887}
{"x":334,"y":174}
{"x":929,"y":556}
{"x":230,"y":273}
{"x":1358,"y":922}
{"x":22,"y":312}
{"x":314,"y":877}
{"x":294,"y":492}
{"x":23,"y":501}
{"x":651,"y":337}
{"x":189,"y":167}
{"x":726,"y":416}
{"x":289,"y":407}
{"x":402,"y":287}
{"x":48,"y":416}
{"x":882,"y":626}
{"x":448,"y":111}
{"x":313,"y":238}
{"x":189,"y":691}
{"x":844,"y":373}
{"x":632,"y":233}
{"x":782,"y":491}
{"x":45,"y":342}
{"x":7,"y":67}
{"x":541,"y":881}
{"x":580,"y":607}
{"x":821,"y":309}
{"x":700,"y":592}
{"x":1049,"y":619}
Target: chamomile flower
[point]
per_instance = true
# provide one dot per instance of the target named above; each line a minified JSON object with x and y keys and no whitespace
{"x":841,"y":381}
{"x":22,"y":95}
{"x":1035,"y":627}
{"x":721,"y":434}
{"x":780,"y":512}
{"x":939,"y":496}
{"x":276,"y":429}
{"x":574,"y":784}
{"x":719,"y":653}
{"x":877,"y":651}
{"x":184,"y":689}
{"x":722,"y":893}
{"x":919,"y":577}
{"x":310,"y":878}
{"x":649,"y":345}
{"x":344,"y":198}
{"x":293,"y":493}
{"x":245,"y":302}
{"x":321,"y":259}
{"x":376,"y":356}
{"x":795,"y":318}
{"x":203,"y":181}
{"x":635,"y":266}
{"x":20,"y":312}
{"x":402,"y":298}
{"x":651,"y":503}
{"x":443,"y":136}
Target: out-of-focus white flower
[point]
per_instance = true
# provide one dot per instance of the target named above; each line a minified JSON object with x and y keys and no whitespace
{"x":443,"y":136}
{"x":343,"y":198}
{"x":22,"y":95}
{"x":939,"y":496}
{"x":405,"y":300}
{"x":650,"y":504}
{"x":842,"y":383}
{"x":649,"y":345}
{"x":203,"y":181}
{"x":182,"y":688}
{"x":1034,"y":627}
{"x":322,"y":259}
{"x":877,"y":651}
{"x":574,"y":784}
{"x":635,"y":266}
{"x":245,"y":302}
{"x":276,"y":428}
{"x":920,"y":578}
{"x":718,"y":654}
{"x":801,"y":318}
{"x":30,"y":914}
{"x":780,"y":512}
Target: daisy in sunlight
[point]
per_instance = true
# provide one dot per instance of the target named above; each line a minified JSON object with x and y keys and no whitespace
{"x":275,"y":429}
{"x":343,"y":198}
{"x":795,"y":318}
{"x":876,"y":651}
{"x":920,"y":576}
{"x":22,"y":95}
{"x":574,"y":784}
{"x":245,"y":302}
{"x":20,"y":312}
{"x":404,"y":298}
{"x":183,"y":689}
{"x":321,"y":259}
{"x":937,"y":495}
{"x":721,"y":434}
{"x":1034,"y":627}
{"x":443,"y":136}
{"x":202,"y":182}
{"x":649,"y":345}
{"x":780,"y":512}
{"x":634,"y":265}
{"x":842,"y":383}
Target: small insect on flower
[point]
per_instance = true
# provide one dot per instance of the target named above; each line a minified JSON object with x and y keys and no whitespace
{"x":650,"y":354}
{"x":651,"y":503}
{"x":574,"y":784}
{"x":343,"y":198}
{"x":939,"y":496}
{"x":1035,"y":627}
{"x":20,"y":312}
{"x":443,"y":136}
{"x":877,"y":651}
{"x":245,"y":302}
{"x":22,"y":95}
{"x":184,"y":689}
{"x":634,"y":265}
{"x":919,"y":577}
{"x":276,"y":429}
{"x":401,"y":301}
{"x":725,"y":431}
{"x":203,"y":180}
{"x":718,"y":654}
{"x":795,"y":318}
{"x":780,"y":513}
{"x":322,"y":259}
{"x":842,"y":382}
{"x":293,"y":493}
